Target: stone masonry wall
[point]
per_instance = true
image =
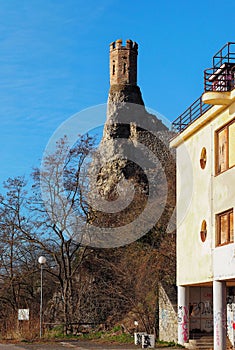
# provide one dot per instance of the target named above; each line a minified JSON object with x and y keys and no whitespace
{"x":168,"y":326}
{"x":123,"y":63}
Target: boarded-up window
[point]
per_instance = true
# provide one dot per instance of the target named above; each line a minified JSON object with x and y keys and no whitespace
{"x":225,"y":150}
{"x":225,"y":227}
{"x":231,"y":151}
{"x":222,"y":150}
{"x":231,"y":236}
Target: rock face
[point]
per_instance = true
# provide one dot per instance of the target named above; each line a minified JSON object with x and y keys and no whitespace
{"x":134,"y":149}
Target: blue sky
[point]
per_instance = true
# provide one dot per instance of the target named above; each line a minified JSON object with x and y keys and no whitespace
{"x":54,"y":62}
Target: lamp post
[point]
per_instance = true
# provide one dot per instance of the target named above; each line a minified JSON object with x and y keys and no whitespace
{"x":42,"y":260}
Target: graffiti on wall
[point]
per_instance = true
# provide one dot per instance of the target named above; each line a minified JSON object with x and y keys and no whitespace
{"x":183,"y":320}
{"x":201,"y":308}
{"x":164,"y":318}
{"x":231,"y":322}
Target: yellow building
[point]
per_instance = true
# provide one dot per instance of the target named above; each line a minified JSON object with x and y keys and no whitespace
{"x":205,"y":149}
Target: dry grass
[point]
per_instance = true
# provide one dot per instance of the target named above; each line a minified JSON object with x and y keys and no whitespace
{"x":12,"y":329}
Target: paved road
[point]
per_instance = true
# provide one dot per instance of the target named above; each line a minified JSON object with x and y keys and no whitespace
{"x":70,"y":345}
{"x":66,"y":345}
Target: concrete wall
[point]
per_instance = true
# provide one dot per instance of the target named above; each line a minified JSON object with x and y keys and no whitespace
{"x":202,"y":195}
{"x":194,"y":259}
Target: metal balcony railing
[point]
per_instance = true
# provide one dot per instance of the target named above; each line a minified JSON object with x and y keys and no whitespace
{"x":224,"y":55}
{"x":193,"y":112}
{"x":221,"y":77}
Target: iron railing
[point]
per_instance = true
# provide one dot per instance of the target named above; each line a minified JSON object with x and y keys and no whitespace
{"x":221,"y":77}
{"x":193,"y":112}
{"x":224,"y":55}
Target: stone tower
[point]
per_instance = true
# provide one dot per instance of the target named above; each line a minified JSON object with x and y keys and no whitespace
{"x":128,"y":126}
{"x":123,"y":63}
{"x":123,"y":74}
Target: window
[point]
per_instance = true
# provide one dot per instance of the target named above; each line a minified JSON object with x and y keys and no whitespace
{"x":203,"y":232}
{"x":225,"y":227}
{"x":124,"y":68}
{"x":203,"y":158}
{"x":225,"y":148}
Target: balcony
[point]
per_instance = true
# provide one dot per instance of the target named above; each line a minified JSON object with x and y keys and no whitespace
{"x":220,"y":79}
{"x":218,"y":82}
{"x":193,"y":112}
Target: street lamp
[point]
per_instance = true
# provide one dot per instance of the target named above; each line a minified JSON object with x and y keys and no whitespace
{"x":42,"y":260}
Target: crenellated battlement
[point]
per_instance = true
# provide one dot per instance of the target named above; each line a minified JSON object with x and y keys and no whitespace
{"x":129,"y":45}
{"x":123,"y":62}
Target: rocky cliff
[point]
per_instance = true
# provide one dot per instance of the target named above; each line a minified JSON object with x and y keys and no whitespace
{"x":135,"y":166}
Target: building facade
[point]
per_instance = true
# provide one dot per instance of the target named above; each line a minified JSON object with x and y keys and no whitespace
{"x":205,"y":149}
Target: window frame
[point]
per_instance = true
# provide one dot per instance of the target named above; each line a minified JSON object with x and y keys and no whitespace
{"x":227,"y":214}
{"x":217,"y":132}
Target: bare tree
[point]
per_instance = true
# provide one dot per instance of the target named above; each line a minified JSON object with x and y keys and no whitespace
{"x":126,"y":280}
{"x":32,"y":225}
{"x":53,"y":228}
{"x":83,"y":284}
{"x":19,"y":280}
